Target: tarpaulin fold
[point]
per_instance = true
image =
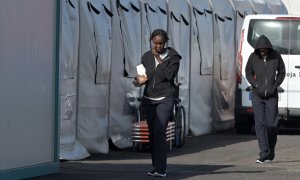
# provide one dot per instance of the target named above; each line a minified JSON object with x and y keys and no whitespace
{"x":179,"y":32}
{"x":70,"y":148}
{"x":201,"y":67}
{"x":224,"y":65}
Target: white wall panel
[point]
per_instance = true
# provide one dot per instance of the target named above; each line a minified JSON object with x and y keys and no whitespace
{"x":27,"y":80}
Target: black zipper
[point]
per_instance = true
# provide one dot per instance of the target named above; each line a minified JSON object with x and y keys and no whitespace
{"x":163,"y":60}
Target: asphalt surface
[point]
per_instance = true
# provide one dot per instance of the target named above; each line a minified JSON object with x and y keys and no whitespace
{"x":223,"y":156}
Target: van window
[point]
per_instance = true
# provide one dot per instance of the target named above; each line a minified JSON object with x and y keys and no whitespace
{"x":278,"y":33}
{"x":295,"y":37}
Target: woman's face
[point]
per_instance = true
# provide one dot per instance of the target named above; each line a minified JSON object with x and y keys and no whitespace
{"x":159,"y":43}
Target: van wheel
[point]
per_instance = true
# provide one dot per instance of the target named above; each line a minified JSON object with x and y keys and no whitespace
{"x":244,"y":128}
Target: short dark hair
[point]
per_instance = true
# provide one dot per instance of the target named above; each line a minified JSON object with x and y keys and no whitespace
{"x":160,"y":32}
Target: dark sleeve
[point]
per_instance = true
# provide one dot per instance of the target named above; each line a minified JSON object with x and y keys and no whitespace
{"x":169,"y":72}
{"x":143,"y":60}
{"x":250,"y":73}
{"x":280,"y":72}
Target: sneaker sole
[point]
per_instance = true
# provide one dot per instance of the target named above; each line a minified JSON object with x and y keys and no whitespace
{"x":261,"y":162}
{"x":150,"y":174}
{"x":156,"y":174}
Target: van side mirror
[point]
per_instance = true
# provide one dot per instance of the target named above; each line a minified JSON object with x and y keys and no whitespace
{"x":280,"y":89}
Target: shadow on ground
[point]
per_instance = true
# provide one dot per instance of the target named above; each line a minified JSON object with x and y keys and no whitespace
{"x":192,"y":145}
{"x":128,"y":164}
{"x":86,"y":171}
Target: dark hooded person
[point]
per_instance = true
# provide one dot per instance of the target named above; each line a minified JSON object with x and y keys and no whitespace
{"x":161,"y":67}
{"x":265,"y":71}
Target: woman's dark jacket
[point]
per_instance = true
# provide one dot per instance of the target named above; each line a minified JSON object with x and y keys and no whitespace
{"x":265,"y":75}
{"x":161,"y":79}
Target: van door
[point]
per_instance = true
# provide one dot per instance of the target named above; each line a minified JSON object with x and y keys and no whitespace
{"x":293,"y":68}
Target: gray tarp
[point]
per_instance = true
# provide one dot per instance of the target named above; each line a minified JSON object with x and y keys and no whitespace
{"x":179,"y":32}
{"x":92,"y":98}
{"x":260,"y":7}
{"x":224,"y":65}
{"x":154,"y":16}
{"x":130,"y":16}
{"x":277,"y":7}
{"x":122,"y":93}
{"x":70,"y":148}
{"x":201,"y":67}
{"x":242,"y":9}
{"x":131,"y":28}
{"x":101,"y":17}
{"x":69,"y":39}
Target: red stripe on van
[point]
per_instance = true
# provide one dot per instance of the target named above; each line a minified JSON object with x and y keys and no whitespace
{"x":288,"y":18}
{"x":240,"y":59}
{"x":249,"y":110}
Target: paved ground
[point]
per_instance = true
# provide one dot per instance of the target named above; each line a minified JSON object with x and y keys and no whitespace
{"x":223,"y":156}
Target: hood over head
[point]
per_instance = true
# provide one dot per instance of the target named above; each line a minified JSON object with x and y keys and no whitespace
{"x":263,"y":42}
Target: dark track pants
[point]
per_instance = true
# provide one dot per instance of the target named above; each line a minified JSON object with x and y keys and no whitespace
{"x":266,"y":124}
{"x":158,"y":115}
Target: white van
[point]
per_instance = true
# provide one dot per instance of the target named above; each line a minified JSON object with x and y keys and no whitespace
{"x":284,"y":33}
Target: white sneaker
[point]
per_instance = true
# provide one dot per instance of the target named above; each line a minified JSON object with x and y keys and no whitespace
{"x":263,"y":161}
{"x":151,"y":173}
{"x":156,"y":174}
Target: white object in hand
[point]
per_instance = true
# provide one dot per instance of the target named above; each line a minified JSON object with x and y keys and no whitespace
{"x":141,"y":69}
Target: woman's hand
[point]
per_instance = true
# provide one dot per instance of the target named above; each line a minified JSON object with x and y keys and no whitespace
{"x":140,"y":80}
{"x":156,"y":54}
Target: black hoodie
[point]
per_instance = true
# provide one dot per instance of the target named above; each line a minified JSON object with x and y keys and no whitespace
{"x":265,"y":75}
{"x":161,"y":78}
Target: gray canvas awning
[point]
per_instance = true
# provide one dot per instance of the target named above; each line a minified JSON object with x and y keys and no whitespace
{"x":123,"y":95}
{"x":154,"y":16}
{"x":92,"y":127}
{"x":242,"y":9}
{"x":70,"y":148}
{"x":224,"y":64}
{"x":130,"y":16}
{"x":276,"y":7}
{"x":179,"y":32}
{"x":201,"y":67}
{"x":260,"y":7}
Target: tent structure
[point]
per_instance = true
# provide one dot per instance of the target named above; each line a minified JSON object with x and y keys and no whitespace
{"x":201,"y":67}
{"x":130,"y":16}
{"x":122,"y":94}
{"x":102,"y":43}
{"x":179,"y":32}
{"x":92,"y":111}
{"x":276,"y":7}
{"x":154,"y":16}
{"x":70,"y":148}
{"x":224,"y":65}
{"x":260,"y":7}
{"x":242,"y":9}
